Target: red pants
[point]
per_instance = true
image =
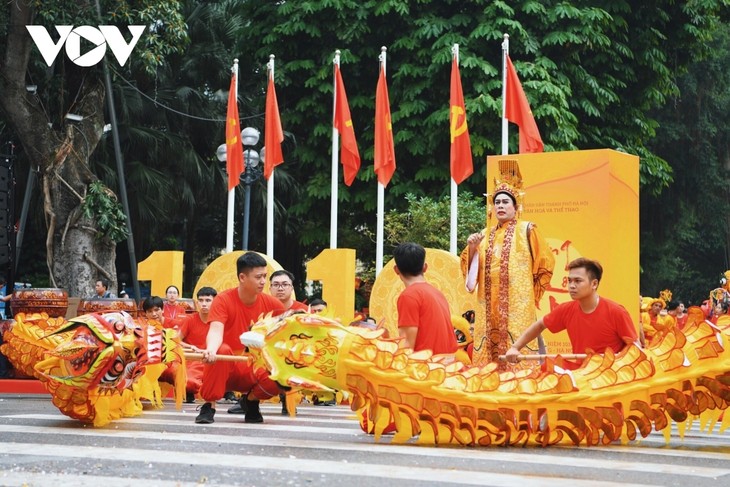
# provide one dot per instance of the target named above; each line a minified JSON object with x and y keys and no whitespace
{"x":220,"y":377}
{"x":194,"y":372}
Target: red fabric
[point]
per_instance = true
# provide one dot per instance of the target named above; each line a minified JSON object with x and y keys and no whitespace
{"x":461,"y":161}
{"x":606,"y":327}
{"x":517,"y":110}
{"x":682,"y":321}
{"x":234,"y":148}
{"x":194,"y":331}
{"x":238,"y":317}
{"x":425,"y":307}
{"x":349,"y":155}
{"x":173,"y":314}
{"x":273,"y":133}
{"x":384,"y":147}
{"x":299,"y":306}
{"x":220,"y":377}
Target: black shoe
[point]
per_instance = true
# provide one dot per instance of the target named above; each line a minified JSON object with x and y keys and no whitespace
{"x":189,"y":397}
{"x":206,"y":414}
{"x":239,"y":407}
{"x":284,"y":410}
{"x":230,"y":397}
{"x":253,"y":413}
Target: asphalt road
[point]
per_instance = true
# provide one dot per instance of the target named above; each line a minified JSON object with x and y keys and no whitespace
{"x":322,"y":446}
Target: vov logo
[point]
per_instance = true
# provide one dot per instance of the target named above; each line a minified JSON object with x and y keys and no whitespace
{"x":105,"y":35}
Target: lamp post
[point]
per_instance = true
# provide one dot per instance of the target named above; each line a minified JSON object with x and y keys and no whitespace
{"x":251,"y":159}
{"x":253,"y":171}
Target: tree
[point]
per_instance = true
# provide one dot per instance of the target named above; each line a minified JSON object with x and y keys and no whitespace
{"x":593,"y":73}
{"x":685,"y":236}
{"x":78,"y":246}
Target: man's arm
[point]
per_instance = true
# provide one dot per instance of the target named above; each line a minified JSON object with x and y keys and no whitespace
{"x":530,"y":334}
{"x":213,"y":341}
{"x":409,"y":333}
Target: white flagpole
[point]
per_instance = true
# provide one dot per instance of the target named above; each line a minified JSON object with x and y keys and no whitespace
{"x":270,"y":192}
{"x":335,"y":161}
{"x":454,"y":188}
{"x":231,"y":193}
{"x":505,"y":125}
{"x":381,"y":202}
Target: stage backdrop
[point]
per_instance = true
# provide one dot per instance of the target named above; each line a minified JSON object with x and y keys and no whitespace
{"x":586,"y":204}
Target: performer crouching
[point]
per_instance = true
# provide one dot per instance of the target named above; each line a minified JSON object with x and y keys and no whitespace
{"x":233,"y":312}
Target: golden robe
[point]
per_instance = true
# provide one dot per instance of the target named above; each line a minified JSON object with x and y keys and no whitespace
{"x":509,"y":290}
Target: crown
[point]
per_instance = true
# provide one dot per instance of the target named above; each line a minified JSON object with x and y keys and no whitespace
{"x":510,"y":182}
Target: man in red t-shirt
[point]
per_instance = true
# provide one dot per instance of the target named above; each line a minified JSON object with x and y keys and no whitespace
{"x":193,"y":332}
{"x":424,"y":319}
{"x":234,"y":311}
{"x":591,"y":322}
{"x":282,"y":288}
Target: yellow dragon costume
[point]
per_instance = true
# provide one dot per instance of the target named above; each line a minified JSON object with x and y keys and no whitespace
{"x":681,"y":378}
{"x":96,"y":367}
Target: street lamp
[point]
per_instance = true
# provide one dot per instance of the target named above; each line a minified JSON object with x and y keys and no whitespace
{"x":251,"y":158}
{"x":253,"y":171}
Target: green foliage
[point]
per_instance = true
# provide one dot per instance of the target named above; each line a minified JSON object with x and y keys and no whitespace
{"x":684,"y":230}
{"x":101,"y":205}
{"x":427,"y":221}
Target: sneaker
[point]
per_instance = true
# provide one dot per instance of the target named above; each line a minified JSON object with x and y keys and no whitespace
{"x":206,"y":414}
{"x":239,"y":407}
{"x":189,"y":397}
{"x":230,"y":396}
{"x":253,"y":413}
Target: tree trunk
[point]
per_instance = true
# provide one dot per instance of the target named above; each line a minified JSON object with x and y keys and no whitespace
{"x":61,"y":150}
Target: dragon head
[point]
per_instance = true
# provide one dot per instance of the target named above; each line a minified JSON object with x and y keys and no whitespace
{"x":105,"y":350}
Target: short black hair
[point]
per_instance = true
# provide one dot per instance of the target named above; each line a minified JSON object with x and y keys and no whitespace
{"x":317,"y":301}
{"x":172,"y":286}
{"x":593,"y":267}
{"x":410,"y":258}
{"x":248,"y":261}
{"x":103,"y":282}
{"x":672,"y":305}
{"x":206,"y":291}
{"x":152,"y":302}
{"x":282,"y":272}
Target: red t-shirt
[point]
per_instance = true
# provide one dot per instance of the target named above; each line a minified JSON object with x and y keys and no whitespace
{"x":194,"y":330}
{"x":423,"y":306}
{"x":299,"y":306}
{"x":238,"y":317}
{"x":606,"y":327}
{"x":173,"y":314}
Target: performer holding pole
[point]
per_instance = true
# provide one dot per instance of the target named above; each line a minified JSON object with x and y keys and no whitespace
{"x":592,"y":322}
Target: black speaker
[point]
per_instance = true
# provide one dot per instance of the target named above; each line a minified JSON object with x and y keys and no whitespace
{"x":7,"y":217}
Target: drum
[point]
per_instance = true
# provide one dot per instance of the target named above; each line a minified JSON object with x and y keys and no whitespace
{"x":53,"y":301}
{"x":188,"y":304}
{"x":98,"y":305}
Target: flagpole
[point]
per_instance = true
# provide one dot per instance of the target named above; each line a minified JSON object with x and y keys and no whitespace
{"x":335,"y":155}
{"x":381,"y":200}
{"x":270,"y":191}
{"x":454,"y":190}
{"x":505,"y":137}
{"x":232,"y":192}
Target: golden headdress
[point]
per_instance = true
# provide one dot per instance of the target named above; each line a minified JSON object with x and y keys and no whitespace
{"x":510,"y":182}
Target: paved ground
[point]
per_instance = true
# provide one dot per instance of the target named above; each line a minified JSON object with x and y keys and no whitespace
{"x":322,"y":446}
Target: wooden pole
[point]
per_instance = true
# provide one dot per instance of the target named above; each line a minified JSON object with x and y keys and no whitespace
{"x":219,"y":358}
{"x":542,"y":356}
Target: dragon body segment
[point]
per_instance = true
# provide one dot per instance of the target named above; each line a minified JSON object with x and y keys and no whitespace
{"x":680,"y":377}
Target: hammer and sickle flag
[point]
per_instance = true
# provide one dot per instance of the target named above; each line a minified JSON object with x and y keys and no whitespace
{"x":461,"y":160}
{"x":234,"y":148}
